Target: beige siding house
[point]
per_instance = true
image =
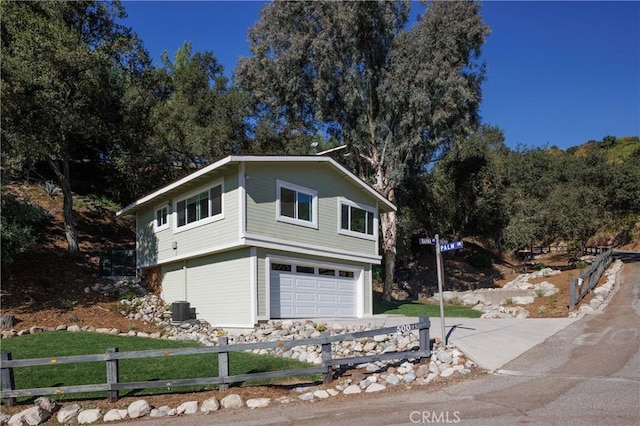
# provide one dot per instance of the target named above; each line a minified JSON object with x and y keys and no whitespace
{"x":252,"y":238}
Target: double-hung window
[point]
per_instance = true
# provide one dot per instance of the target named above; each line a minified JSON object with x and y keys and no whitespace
{"x":201,"y":207}
{"x":296,"y":204}
{"x":162,"y":218}
{"x":357,"y":220}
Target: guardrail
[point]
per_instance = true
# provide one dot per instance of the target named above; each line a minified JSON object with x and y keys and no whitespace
{"x":588,"y":279}
{"x":112,"y":356}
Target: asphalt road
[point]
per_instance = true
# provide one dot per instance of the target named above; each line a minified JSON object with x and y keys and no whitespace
{"x":586,"y":374}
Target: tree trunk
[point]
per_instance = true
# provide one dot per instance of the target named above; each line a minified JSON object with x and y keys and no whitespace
{"x":64,"y":181}
{"x":389,"y":227}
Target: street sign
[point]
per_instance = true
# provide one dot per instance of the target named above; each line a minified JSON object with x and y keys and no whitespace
{"x":451,"y":246}
{"x":427,"y":241}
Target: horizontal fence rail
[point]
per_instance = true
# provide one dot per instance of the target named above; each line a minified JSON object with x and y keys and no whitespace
{"x":588,"y":279}
{"x":112,"y":356}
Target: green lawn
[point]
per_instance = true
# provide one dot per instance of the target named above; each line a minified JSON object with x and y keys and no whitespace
{"x":414,"y":308}
{"x":58,"y":344}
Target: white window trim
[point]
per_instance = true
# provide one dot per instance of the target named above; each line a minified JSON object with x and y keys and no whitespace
{"x":364,"y":207}
{"x":157,"y":228}
{"x":210,"y":219}
{"x":314,"y":204}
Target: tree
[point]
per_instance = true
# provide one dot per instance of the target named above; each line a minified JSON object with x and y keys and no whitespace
{"x":62,"y":66}
{"x":468,"y":186}
{"x":200,"y":119}
{"x":350,"y":70}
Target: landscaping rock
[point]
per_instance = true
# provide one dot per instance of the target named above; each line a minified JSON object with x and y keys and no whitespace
{"x":138,"y":408}
{"x":258,"y":402}
{"x":189,"y":407}
{"x":375,"y":387}
{"x":47,"y":404}
{"x":89,"y":416}
{"x":322,"y":394}
{"x":351,"y":389}
{"x":68,"y":413}
{"x":232,"y":401}
{"x":306,"y":396}
{"x":209,"y":405}
{"x":114,"y":415}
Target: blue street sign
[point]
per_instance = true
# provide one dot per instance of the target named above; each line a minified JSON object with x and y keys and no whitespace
{"x":424,"y":241}
{"x":451,"y":246}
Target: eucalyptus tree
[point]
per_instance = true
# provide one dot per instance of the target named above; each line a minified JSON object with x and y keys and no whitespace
{"x":62,"y":82}
{"x":351,"y":70}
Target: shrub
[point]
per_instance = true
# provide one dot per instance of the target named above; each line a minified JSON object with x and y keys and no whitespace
{"x":18,"y":219}
{"x":480,"y":260}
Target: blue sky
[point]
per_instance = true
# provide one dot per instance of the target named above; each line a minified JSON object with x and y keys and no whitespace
{"x":558,"y":73}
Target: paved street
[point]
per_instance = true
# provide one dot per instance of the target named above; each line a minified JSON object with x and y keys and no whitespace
{"x":586,"y":373}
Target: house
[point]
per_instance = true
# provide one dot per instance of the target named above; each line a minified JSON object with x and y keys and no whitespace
{"x":252,"y":238}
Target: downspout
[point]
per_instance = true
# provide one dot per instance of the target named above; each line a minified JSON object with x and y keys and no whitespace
{"x":184,"y":280}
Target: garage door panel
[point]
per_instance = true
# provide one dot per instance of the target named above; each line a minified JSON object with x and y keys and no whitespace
{"x":304,"y":311}
{"x":346,"y":299}
{"x":305,"y":297}
{"x":327,"y":285}
{"x":305,"y":284}
{"x":327,"y":298}
{"x":299,"y":295}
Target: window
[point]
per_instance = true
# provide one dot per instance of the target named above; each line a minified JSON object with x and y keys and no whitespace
{"x":280,"y":267}
{"x":202,"y":207}
{"x":162,"y":216}
{"x":305,"y":269}
{"x":357,"y":220}
{"x":346,"y":274}
{"x":296,"y":204}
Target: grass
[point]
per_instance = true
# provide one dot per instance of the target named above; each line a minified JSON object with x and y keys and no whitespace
{"x":414,"y":308}
{"x":58,"y":344}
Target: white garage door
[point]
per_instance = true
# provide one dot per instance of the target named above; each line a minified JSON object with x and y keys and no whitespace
{"x":305,"y":291}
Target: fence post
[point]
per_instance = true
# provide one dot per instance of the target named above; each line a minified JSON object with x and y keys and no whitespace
{"x":327,"y":377}
{"x":423,"y":334}
{"x":223,"y":363}
{"x":7,"y":379}
{"x":113,"y":375}
{"x":572,"y":293}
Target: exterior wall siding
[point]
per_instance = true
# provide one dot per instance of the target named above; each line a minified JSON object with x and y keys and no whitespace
{"x":173,"y":282}
{"x":261,"y":204}
{"x":219,"y":287}
{"x":158,"y":246}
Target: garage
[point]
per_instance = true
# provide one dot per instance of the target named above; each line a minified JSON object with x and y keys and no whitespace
{"x":309,"y":291}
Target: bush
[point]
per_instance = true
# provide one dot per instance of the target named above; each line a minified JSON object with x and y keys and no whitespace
{"x":480,"y":260}
{"x":18,"y":219}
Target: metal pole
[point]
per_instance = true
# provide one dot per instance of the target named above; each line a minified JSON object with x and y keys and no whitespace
{"x":440,"y":279}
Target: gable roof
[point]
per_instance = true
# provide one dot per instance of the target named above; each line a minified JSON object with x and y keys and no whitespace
{"x":384,"y":204}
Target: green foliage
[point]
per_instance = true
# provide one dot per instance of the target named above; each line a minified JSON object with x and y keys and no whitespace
{"x":417,"y":309}
{"x":480,"y":260}
{"x":105,"y":202}
{"x":19,"y":218}
{"x":581,"y":265}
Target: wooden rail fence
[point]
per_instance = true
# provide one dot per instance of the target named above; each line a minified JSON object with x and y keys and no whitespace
{"x":113,"y":386}
{"x":588,"y":279}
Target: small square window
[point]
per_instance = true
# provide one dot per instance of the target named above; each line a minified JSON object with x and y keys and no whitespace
{"x":162,"y":218}
{"x":356,"y":220}
{"x":297,"y":205}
